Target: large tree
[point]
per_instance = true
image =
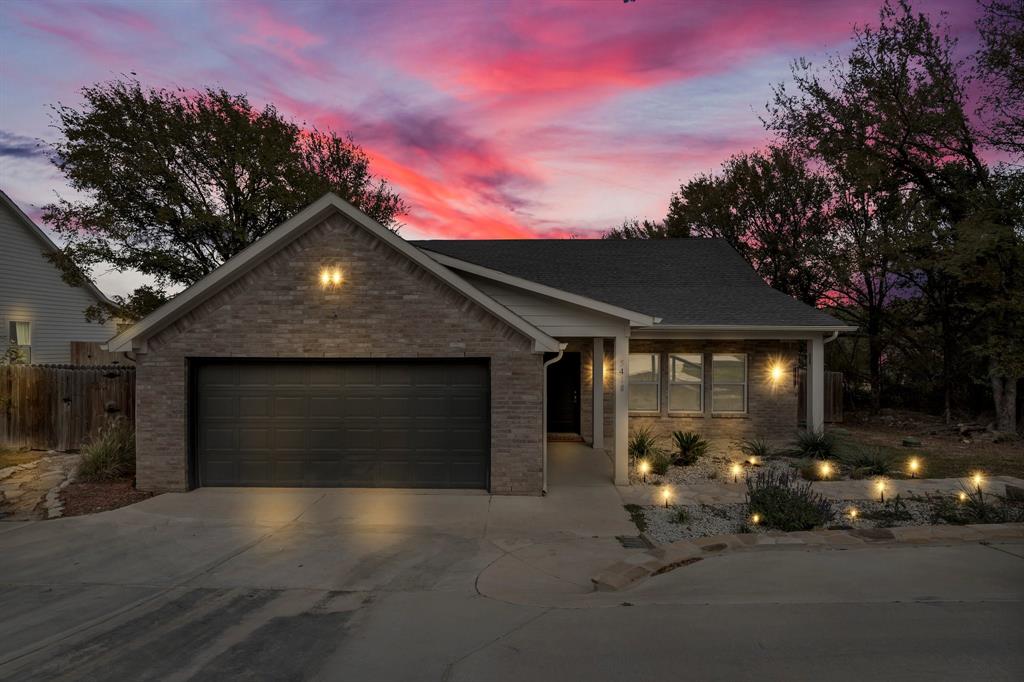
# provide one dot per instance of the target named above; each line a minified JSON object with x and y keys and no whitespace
{"x":175,"y":182}
{"x":1000,"y":68}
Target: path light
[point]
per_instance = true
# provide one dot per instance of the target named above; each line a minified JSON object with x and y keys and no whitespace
{"x":962,"y":496}
{"x":825,"y":470}
{"x":880,"y":484}
{"x":752,"y":461}
{"x":755,"y":519}
{"x":977,"y":480}
{"x":914,"y":465}
{"x":666,"y":493}
{"x":736,"y":469}
{"x":853,"y":513}
{"x":645,"y":466}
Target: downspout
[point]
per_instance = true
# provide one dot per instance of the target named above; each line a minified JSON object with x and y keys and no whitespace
{"x":830,"y":339}
{"x":544,"y":415}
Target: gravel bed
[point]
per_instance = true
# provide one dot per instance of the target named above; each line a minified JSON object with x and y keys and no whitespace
{"x":711,"y":469}
{"x":704,"y":520}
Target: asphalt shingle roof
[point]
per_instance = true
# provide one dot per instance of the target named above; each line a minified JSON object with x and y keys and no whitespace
{"x":682,"y":281}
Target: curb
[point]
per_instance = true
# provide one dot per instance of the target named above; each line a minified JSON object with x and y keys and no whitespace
{"x":663,"y":559}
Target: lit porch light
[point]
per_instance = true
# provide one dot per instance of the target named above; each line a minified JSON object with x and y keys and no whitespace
{"x":330,"y":277}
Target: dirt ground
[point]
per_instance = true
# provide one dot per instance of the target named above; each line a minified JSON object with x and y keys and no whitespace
{"x":11,"y":456}
{"x":943,"y":451}
{"x":91,"y":498}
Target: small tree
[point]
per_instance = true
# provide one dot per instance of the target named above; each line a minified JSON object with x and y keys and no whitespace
{"x":175,"y":182}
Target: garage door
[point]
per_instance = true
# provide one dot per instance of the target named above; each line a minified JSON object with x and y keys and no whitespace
{"x":376,"y":424}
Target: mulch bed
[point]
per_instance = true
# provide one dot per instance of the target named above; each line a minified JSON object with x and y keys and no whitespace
{"x":90,"y":498}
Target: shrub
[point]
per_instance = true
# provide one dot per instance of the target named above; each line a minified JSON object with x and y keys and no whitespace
{"x":867,"y":463}
{"x":679,"y":515}
{"x":785,"y":503}
{"x":815,"y":444}
{"x":643,"y":445}
{"x":636,"y":515}
{"x":894,"y":511}
{"x":689,"y":446}
{"x":756,"y":447}
{"x":110,"y":454}
{"x":972,"y":505}
{"x":660,"y":462}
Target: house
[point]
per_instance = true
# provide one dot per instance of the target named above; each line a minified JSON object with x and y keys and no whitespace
{"x":331,"y":352}
{"x":41,"y":314}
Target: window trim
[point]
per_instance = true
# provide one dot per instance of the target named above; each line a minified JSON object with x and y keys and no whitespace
{"x":657,"y":383}
{"x":745,"y":384}
{"x":669,"y":383}
{"x":12,"y":340}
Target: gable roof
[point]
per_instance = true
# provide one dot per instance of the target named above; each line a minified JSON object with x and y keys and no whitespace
{"x":272,"y":242}
{"x":47,"y":243}
{"x":688,"y":283}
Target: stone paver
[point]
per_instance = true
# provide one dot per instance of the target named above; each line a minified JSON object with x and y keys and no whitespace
{"x":29,"y":491}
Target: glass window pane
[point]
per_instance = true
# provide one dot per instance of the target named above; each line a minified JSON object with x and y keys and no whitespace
{"x":729,"y":368}
{"x":643,"y":367}
{"x":727,"y":398}
{"x":643,"y":397}
{"x":684,"y":397}
{"x":686,"y":367}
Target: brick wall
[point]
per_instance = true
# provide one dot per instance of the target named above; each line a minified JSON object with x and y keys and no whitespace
{"x":771,"y":408}
{"x":388,"y":307}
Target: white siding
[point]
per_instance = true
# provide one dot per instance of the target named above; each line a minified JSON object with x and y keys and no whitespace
{"x":554,"y":317}
{"x":31,"y":290}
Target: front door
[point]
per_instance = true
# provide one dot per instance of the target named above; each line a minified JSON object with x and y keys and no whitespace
{"x":564,"y":394}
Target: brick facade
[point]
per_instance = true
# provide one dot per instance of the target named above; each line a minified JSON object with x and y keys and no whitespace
{"x":771,"y":407}
{"x":387,"y":307}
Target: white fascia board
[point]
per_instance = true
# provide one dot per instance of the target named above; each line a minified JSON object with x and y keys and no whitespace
{"x":634,"y":318}
{"x":284,"y":233}
{"x":737,"y":331}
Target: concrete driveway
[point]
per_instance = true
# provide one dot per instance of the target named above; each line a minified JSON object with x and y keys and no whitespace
{"x":330,"y":584}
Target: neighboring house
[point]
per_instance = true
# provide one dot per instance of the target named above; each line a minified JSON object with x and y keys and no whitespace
{"x":40,"y":313}
{"x":332,"y":352}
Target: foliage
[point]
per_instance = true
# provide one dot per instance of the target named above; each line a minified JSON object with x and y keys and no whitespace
{"x":786,"y":503}
{"x":643,"y":445}
{"x":868,"y":462}
{"x":976,"y":507}
{"x":1000,"y":68}
{"x":892,"y":513}
{"x":815,"y":444}
{"x":660,"y":462}
{"x":679,"y":516}
{"x":175,"y":182}
{"x":12,"y":356}
{"x":110,"y":454}
{"x":690,"y":447}
{"x":636,"y":515}
{"x":756,"y":447}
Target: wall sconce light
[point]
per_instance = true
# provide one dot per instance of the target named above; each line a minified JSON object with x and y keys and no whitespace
{"x":330,"y":277}
{"x":776,"y":373}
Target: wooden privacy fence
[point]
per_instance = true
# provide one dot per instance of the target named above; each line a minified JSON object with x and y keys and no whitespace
{"x":57,"y":407}
{"x":833,"y":397}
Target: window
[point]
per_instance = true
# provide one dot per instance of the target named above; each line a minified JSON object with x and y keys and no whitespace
{"x":685,"y":382}
{"x":21,"y":341}
{"x":728,"y":382}
{"x":644,"y":382}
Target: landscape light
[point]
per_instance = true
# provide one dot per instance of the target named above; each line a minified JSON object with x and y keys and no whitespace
{"x":666,"y":494}
{"x":736,"y":469}
{"x":853,"y":514}
{"x":914,"y":465}
{"x":825,"y":469}
{"x":962,"y":496}
{"x":644,"y":468}
{"x":755,"y":519}
{"x":881,"y":489}
{"x":977,"y":480}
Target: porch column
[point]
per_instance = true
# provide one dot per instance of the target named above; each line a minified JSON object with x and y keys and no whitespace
{"x":815,"y":384}
{"x":597,"y":379}
{"x":621,"y":410}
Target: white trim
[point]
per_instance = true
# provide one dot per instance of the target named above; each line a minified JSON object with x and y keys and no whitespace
{"x":738,"y":332}
{"x":634,"y":318}
{"x":273,"y":241}
{"x":37,"y":231}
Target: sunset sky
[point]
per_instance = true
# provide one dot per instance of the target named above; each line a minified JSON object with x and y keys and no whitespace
{"x":493,"y":119}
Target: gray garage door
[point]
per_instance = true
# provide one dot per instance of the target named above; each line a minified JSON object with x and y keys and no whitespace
{"x":376,"y":424}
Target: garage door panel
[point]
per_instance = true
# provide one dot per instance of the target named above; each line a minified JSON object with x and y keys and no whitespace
{"x":347,"y":423}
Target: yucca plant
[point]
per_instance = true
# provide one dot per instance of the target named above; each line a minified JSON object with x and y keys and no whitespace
{"x":756,"y":447}
{"x":815,"y":444}
{"x":867,"y":463}
{"x":643,"y":445}
{"x":689,"y":447}
{"x":110,"y":454}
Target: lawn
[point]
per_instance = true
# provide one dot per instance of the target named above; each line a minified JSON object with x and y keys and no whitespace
{"x":942,"y":452}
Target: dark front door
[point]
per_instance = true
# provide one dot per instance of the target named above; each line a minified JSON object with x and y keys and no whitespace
{"x":402,"y":423}
{"x":564,"y":394}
